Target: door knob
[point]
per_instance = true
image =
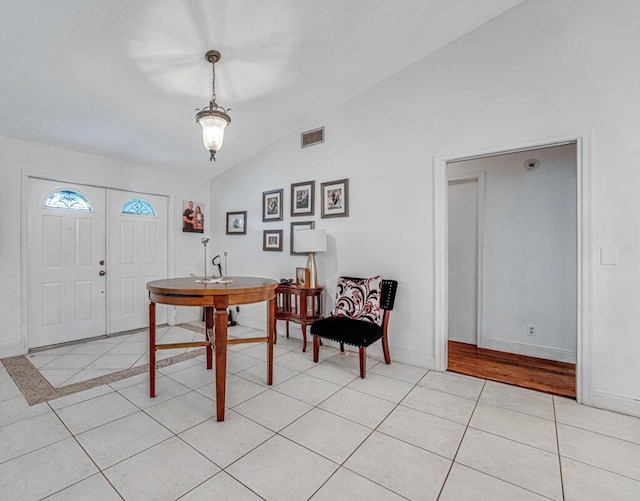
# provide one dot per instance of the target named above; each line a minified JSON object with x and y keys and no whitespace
{"x":101,"y":262}
{"x":102,"y":273}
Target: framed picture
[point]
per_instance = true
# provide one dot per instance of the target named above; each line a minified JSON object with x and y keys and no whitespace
{"x":272,"y":205}
{"x":272,"y":240}
{"x":303,"y":198}
{"x":301,"y":225}
{"x":192,"y":216}
{"x":302,"y":277}
{"x":335,"y":198}
{"x":237,"y":223}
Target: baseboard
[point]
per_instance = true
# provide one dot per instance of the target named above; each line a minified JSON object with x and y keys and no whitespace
{"x":529,"y":350}
{"x":615,"y":403}
{"x":12,"y":350}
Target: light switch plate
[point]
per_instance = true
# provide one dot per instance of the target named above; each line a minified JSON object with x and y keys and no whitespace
{"x":608,"y":256}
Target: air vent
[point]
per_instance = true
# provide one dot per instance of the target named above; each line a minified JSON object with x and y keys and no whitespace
{"x":312,"y":137}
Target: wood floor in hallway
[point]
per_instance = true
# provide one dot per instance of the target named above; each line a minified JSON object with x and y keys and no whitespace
{"x":549,"y":376}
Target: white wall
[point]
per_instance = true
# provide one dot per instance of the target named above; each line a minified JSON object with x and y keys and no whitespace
{"x":19,"y":159}
{"x":545,"y":69}
{"x":529,"y":252}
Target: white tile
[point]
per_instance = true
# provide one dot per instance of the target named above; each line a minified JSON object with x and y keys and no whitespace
{"x":8,"y":389}
{"x":282,"y":470}
{"x":395,"y":370}
{"x":118,"y":440}
{"x":272,"y":409}
{"x":518,"y":399}
{"x":400,"y":467}
{"x":71,"y":361}
{"x":433,"y":433}
{"x":528,"y":467}
{"x":16,"y":409}
{"x":259,"y":351}
{"x":91,"y":348}
{"x":225,"y":442}
{"x":611,"y":454}
{"x":80,"y":396}
{"x":40,"y":359}
{"x":45,"y":471}
{"x":295,"y":361}
{"x":331,"y":436}
{"x":608,"y":423}
{"x":345,"y":484}
{"x":221,"y":487}
{"x":588,"y":483}
{"x":359,"y":407}
{"x":87,"y":374}
{"x":95,"y":487}
{"x":258,"y":374}
{"x":382,"y":387}
{"x":308,"y":389}
{"x":465,"y":484}
{"x":524,"y":428}
{"x":456,"y":384}
{"x":238,"y":362}
{"x":30,"y":434}
{"x":133,"y":380}
{"x":441,"y":404}
{"x":130,"y":348}
{"x":95,"y":412}
{"x":166,"y":389}
{"x":238,"y":390}
{"x":194,"y":377}
{"x":332,"y":373}
{"x":183,"y":411}
{"x":57,"y":377}
{"x":115,"y":362}
{"x":165,"y":471}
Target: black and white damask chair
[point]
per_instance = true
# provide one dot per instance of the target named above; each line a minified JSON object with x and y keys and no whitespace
{"x":360,"y":317}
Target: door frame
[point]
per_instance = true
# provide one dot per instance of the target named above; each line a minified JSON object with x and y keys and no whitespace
{"x":24,"y":241}
{"x":479,"y":177}
{"x":584,"y":144}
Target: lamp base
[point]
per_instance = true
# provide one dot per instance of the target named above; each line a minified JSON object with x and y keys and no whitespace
{"x":313,"y":271}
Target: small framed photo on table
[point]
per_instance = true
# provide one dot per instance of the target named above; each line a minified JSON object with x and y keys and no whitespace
{"x":302,"y":277}
{"x":237,"y":223}
{"x":335,"y":198}
{"x":303,"y":198}
{"x":272,"y":240}
{"x":272,"y":205}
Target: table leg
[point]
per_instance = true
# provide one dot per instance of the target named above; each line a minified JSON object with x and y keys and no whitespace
{"x":221,"y":319}
{"x":152,"y":349}
{"x":209,"y":329}
{"x":304,"y":337}
{"x":271,"y":321}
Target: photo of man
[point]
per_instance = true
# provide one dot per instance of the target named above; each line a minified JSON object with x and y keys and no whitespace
{"x":192,"y":217}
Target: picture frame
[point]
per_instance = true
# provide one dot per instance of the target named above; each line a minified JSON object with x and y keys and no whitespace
{"x":237,"y":223}
{"x":335,"y":198}
{"x":303,"y":198}
{"x":272,"y":205}
{"x":192,"y":216}
{"x":298,"y":225}
{"x":272,"y":240}
{"x":302,"y":278}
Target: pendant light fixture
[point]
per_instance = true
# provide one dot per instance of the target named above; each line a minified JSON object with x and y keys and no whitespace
{"x":213,"y":119}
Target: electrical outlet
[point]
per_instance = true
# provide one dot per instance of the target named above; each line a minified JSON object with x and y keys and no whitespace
{"x":531,"y":330}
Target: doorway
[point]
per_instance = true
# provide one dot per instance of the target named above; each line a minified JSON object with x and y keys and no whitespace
{"x":487,"y":332}
{"x":91,"y":251}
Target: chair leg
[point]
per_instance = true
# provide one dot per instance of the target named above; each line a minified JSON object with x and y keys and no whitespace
{"x":385,"y":349}
{"x":316,"y":348}
{"x":342,"y":347}
{"x":363,"y":362}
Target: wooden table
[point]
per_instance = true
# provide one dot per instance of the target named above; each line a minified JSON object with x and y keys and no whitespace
{"x":215,"y":298}
{"x":299,"y":305}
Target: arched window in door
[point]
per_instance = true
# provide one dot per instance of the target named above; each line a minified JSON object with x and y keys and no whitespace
{"x":139,"y":207}
{"x":67,"y":199}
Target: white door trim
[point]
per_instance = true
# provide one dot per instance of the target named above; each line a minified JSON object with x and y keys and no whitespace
{"x":584,"y":144}
{"x":479,"y":177}
{"x":23,"y":347}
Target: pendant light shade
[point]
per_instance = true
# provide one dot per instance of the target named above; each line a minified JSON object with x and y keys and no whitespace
{"x":213,"y":119}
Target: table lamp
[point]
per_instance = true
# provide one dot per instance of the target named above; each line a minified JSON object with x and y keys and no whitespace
{"x":311,"y":241}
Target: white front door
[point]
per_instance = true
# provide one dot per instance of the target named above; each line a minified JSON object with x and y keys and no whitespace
{"x":137,"y":250}
{"x":66,"y":262}
{"x":88,"y":262}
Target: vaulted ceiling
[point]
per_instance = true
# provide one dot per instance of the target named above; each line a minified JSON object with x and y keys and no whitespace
{"x":123,"y":78}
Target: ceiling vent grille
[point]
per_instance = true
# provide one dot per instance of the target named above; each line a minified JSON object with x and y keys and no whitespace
{"x":312,"y":137}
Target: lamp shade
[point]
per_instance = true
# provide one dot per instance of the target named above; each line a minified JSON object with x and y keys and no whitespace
{"x":310,"y":241}
{"x":213,"y":125}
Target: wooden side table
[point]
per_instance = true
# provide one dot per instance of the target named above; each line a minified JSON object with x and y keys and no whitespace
{"x":299,"y":305}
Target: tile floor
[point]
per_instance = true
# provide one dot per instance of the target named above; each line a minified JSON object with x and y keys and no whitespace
{"x":320,"y":432}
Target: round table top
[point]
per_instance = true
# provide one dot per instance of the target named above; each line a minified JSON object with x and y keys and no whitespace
{"x":189,"y":286}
